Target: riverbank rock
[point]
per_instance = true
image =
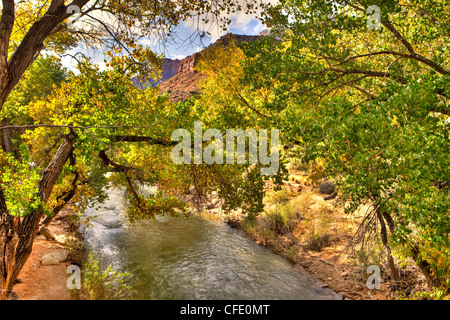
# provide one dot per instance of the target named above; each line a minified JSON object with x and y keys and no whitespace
{"x":327,"y":188}
{"x":213,"y":205}
{"x":235,"y":224}
{"x":44,"y":232}
{"x":54,"y":257}
{"x":332,"y":197}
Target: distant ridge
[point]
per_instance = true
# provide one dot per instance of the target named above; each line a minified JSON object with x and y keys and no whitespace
{"x":169,"y":69}
{"x":179,"y":77}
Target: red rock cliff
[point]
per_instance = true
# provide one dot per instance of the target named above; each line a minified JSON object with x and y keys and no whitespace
{"x":187,"y":65}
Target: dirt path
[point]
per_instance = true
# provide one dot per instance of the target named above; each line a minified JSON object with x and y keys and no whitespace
{"x":38,"y":282}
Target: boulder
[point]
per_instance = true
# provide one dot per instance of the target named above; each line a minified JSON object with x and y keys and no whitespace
{"x":211,"y":206}
{"x":332,"y":197}
{"x":306,"y":264}
{"x":234,"y":223}
{"x":327,"y":187}
{"x":49,"y":261}
{"x":54,"y":257}
{"x":43,"y":231}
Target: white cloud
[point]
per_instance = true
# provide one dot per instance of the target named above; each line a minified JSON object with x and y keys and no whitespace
{"x":178,"y":56}
{"x":146,"y":42}
{"x":239,"y":21}
{"x":258,"y":28}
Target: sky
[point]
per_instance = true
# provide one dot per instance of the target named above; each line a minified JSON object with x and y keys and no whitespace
{"x":181,"y":47}
{"x":247,"y":26}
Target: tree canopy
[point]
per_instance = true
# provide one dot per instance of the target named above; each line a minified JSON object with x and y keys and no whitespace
{"x":63,"y":132}
{"x":368,"y":106}
{"x":373,"y":104}
{"x":365,"y":98}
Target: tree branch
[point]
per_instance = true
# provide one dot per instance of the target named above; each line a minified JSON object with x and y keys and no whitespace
{"x":152,"y":141}
{"x":35,"y":126}
{"x":107,"y":162}
{"x":66,"y":197}
{"x":412,"y":52}
{"x":6,"y":27}
{"x":6,"y":137}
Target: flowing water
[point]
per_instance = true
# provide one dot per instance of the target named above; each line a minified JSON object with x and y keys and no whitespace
{"x":195,"y":259}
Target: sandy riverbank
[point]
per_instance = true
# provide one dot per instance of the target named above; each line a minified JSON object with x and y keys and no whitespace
{"x":38,"y":282}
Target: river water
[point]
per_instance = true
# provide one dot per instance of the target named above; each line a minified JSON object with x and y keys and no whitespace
{"x":195,"y":259}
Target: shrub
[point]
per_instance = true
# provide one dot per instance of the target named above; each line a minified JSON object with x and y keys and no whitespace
{"x":282,"y":218}
{"x":100,"y":285}
{"x":279,"y":197}
{"x":436,"y":294}
{"x":317,"y":227}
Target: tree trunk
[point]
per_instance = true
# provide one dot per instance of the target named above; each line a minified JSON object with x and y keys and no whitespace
{"x":6,"y":28}
{"x":12,"y":70}
{"x":384,"y":239}
{"x":17,"y":234}
{"x":63,"y":199}
{"x":8,"y":242}
{"x":6,"y":137}
{"x":425,"y":267}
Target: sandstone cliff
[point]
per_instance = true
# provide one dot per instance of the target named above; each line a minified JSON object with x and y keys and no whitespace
{"x":169,"y":69}
{"x":185,"y":83}
{"x":179,"y":78}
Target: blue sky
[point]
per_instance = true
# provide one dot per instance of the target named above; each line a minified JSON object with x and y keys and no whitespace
{"x":180,"y":51}
{"x":241,"y":23}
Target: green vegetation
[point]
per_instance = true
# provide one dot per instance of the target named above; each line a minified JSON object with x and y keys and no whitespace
{"x":100,"y":283}
{"x":374,"y":106}
{"x":367,"y":108}
{"x":298,"y":222}
{"x":63,"y":131}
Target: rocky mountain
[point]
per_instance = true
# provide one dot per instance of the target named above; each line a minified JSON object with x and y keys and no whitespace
{"x":169,"y":69}
{"x":179,"y":77}
{"x":185,"y":82}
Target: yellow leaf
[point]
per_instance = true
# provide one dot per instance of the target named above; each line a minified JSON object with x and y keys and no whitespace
{"x":394,"y":121}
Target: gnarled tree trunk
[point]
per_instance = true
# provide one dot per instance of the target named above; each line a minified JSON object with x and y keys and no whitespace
{"x":13,"y":68}
{"x":423,"y":265}
{"x":384,"y":239}
{"x":18,"y":234}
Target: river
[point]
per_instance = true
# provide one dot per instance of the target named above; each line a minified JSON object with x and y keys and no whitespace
{"x":195,"y":259}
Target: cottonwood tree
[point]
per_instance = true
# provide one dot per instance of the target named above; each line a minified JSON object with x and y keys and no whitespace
{"x":27,"y":29}
{"x":371,"y":99}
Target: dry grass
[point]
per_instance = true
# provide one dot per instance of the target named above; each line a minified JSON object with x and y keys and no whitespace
{"x":294,"y":222}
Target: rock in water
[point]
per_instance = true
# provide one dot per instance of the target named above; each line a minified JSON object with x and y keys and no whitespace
{"x":233,"y":223}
